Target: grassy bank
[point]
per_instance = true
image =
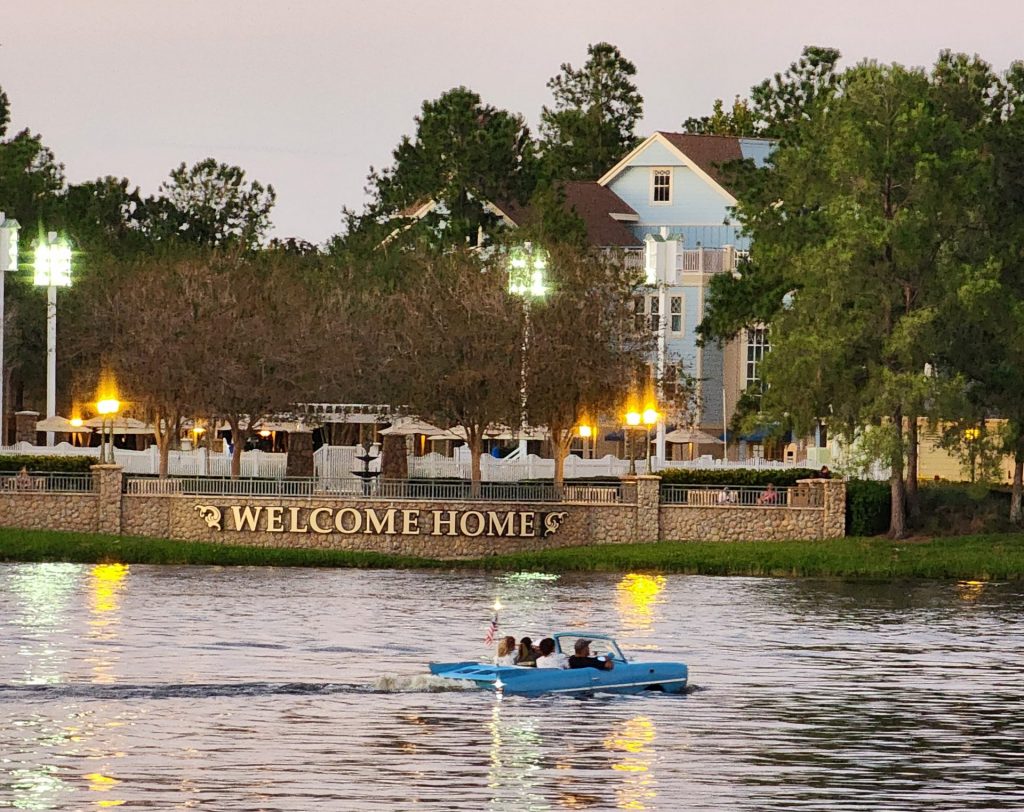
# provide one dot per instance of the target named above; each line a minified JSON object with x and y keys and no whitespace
{"x":981,"y":557}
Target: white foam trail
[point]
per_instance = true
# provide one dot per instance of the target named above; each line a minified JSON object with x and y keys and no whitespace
{"x":420,"y":683}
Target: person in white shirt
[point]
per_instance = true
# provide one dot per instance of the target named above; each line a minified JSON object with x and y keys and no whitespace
{"x":506,"y":651}
{"x":549,"y":658}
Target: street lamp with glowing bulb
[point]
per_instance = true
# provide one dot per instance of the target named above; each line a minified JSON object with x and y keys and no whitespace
{"x":52,"y":270}
{"x":107,"y":408}
{"x":650,"y":418}
{"x":633,"y":419}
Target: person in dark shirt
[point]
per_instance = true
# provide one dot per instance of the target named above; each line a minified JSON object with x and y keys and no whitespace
{"x":582,"y":658}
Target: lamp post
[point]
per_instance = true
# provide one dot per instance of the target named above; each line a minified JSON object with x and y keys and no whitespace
{"x":107,"y":409}
{"x":586,"y":433}
{"x":8,"y":262}
{"x":527,"y":266}
{"x":633,"y":419}
{"x":650,"y":418}
{"x":52,"y":271}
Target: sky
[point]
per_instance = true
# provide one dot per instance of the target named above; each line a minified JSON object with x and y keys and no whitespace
{"x":307,"y":95}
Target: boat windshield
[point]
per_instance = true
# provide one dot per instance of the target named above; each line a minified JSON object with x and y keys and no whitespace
{"x":599,"y":646}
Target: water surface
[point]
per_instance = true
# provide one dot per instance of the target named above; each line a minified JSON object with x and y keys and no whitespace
{"x":293,"y":689}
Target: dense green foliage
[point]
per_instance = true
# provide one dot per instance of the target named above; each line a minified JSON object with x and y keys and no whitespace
{"x":867,"y":507}
{"x":41,"y":463}
{"x":967,"y":557}
{"x":736,"y":477}
{"x":592,"y":123}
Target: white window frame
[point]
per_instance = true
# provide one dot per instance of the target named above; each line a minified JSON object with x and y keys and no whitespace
{"x":654,"y":312}
{"x":672,"y":299}
{"x":758,"y":344}
{"x":661,"y":172}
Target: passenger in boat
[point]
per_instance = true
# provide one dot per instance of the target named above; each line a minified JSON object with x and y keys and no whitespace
{"x":549,"y":658}
{"x":506,"y":651}
{"x":526,"y":655}
{"x":582,"y":658}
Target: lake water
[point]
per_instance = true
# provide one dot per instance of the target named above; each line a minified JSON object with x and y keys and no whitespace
{"x":289,"y":689}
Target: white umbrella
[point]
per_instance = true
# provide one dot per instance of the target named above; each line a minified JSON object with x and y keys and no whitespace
{"x":690,"y":436}
{"x":61,"y":425}
{"x":410,"y":425}
{"x":120,"y":425}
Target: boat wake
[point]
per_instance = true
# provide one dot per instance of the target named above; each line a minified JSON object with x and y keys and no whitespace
{"x":420,"y":683}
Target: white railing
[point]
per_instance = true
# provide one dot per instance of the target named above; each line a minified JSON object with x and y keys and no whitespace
{"x":706,"y":260}
{"x":197,"y":462}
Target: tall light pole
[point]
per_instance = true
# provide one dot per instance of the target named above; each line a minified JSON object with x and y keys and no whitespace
{"x":8,"y":262}
{"x":52,"y":271}
{"x":107,"y":408}
{"x":633,"y":419}
{"x":650,"y":418}
{"x":527,"y":267}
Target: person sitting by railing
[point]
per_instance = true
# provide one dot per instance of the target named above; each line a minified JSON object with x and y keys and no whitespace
{"x":23,"y":481}
{"x":769,"y":496}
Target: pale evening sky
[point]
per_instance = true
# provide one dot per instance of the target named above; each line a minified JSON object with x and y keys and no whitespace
{"x":307,"y":95}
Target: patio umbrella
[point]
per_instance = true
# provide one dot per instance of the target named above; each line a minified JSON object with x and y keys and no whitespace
{"x":694,"y":436}
{"x":61,"y":425}
{"x":410,"y":425}
{"x":121,"y":425}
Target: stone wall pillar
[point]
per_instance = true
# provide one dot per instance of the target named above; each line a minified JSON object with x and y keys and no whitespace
{"x":107,"y":481}
{"x":300,"y":454}
{"x":25,"y":427}
{"x":394,"y":462}
{"x":834,"y":520}
{"x":648,"y":508}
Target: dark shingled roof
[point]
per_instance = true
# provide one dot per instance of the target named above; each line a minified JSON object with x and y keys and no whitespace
{"x":595,"y":205}
{"x":709,"y":152}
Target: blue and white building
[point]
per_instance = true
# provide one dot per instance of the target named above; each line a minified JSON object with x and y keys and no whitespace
{"x":682,"y":213}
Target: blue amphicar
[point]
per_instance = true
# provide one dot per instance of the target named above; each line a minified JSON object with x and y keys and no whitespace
{"x":624,"y":678}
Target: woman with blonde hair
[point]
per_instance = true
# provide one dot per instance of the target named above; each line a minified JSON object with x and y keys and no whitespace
{"x":506,"y":651}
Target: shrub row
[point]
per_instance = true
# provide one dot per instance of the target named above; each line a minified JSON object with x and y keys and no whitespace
{"x":43,"y":463}
{"x":868,"y":507}
{"x":737,"y":477}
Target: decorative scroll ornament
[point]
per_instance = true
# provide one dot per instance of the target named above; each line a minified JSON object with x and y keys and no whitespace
{"x":211,"y":515}
{"x":552,"y":521}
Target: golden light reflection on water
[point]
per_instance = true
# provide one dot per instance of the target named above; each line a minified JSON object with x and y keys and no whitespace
{"x":632,"y":739}
{"x":970,"y":590}
{"x":636,"y":599}
{"x":105,"y":586}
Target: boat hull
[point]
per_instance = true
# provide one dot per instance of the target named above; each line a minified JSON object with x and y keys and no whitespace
{"x":624,"y":678}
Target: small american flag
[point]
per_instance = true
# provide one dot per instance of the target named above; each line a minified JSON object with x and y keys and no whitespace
{"x":492,"y":630}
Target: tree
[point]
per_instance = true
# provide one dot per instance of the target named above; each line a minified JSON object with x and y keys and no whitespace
{"x":450,"y":348}
{"x":584,"y":352}
{"x":104,"y":217}
{"x":464,"y":155}
{"x":592,"y":123}
{"x":738,"y":120}
{"x":211,"y":204}
{"x":853,"y":216}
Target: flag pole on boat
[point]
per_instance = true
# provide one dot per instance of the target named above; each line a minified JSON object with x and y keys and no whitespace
{"x":492,"y":630}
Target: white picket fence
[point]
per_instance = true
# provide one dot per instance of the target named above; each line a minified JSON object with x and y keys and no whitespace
{"x":197,"y":462}
{"x":338,"y":463}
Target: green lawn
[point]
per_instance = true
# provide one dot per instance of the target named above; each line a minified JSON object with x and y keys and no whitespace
{"x":983,"y":557}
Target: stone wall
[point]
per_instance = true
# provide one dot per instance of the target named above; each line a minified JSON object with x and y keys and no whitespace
{"x":178,"y":517}
{"x":407,"y":527}
{"x":732,"y":523}
{"x":35,"y":510}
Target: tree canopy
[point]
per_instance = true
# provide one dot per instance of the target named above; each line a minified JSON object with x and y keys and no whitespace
{"x":592,"y":122}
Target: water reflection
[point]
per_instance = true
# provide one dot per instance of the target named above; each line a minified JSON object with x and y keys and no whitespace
{"x":636,"y":598}
{"x":43,"y":593}
{"x":632,"y":741}
{"x":105,"y":586}
{"x":515,"y":758}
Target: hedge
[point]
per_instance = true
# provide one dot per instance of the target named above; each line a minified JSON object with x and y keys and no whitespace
{"x":868,"y":507}
{"x":44,"y":463}
{"x":736,"y":477}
